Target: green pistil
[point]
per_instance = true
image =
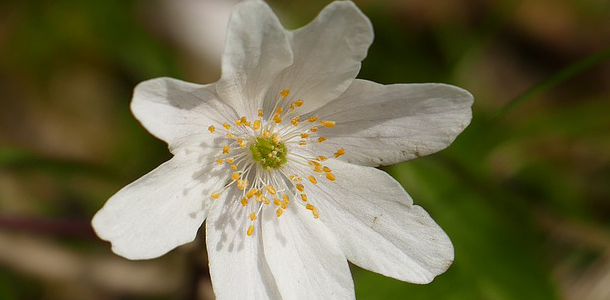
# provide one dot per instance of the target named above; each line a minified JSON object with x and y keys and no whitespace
{"x":269,"y":153}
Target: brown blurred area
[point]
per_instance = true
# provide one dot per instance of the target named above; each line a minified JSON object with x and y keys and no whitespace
{"x":68,"y":140}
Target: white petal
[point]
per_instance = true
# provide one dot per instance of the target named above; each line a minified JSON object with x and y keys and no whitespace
{"x":304,"y":256}
{"x":327,"y":55}
{"x":377,"y":225}
{"x":237,"y":264}
{"x":387,"y":124}
{"x":179,"y":112}
{"x":161,"y":210}
{"x":256,"y":51}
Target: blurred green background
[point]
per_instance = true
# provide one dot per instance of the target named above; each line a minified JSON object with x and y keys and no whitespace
{"x":524,"y":192}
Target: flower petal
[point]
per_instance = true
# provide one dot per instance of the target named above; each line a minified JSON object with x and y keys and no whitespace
{"x":179,"y":112}
{"x":161,"y":210}
{"x":327,"y":55}
{"x":387,"y":124}
{"x":237,"y":263}
{"x":304,"y":256}
{"x":256,"y":51}
{"x":377,"y":225}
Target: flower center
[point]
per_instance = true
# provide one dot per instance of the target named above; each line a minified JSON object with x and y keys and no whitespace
{"x":270,"y":152}
{"x":263,"y":169}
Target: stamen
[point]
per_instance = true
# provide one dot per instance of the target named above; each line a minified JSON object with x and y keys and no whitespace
{"x":312,"y":119}
{"x":244,"y":201}
{"x":257,"y":124}
{"x":212,"y":128}
{"x":260,"y":112}
{"x":322,"y":139}
{"x":225,"y":149}
{"x":330,"y":176}
{"x":304,"y":197}
{"x":215,"y":195}
{"x":328,"y":123}
{"x":235,"y":175}
{"x":252,"y":216}
{"x":339,"y":152}
{"x":284,"y":92}
{"x":279,"y":212}
{"x":250,"y":229}
{"x":312,"y":179}
{"x":226,"y":125}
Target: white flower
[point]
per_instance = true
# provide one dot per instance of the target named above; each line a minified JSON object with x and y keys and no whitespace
{"x":278,"y":156}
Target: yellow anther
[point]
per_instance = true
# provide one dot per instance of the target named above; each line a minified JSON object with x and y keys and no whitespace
{"x":237,"y":121}
{"x":298,"y":103}
{"x":280,"y":110}
{"x":225,"y":149}
{"x":215,"y":195}
{"x":284,"y":205}
{"x":266,"y":133}
{"x":230,"y":160}
{"x":312,"y":118}
{"x":316,"y":213}
{"x":235,"y":175}
{"x":231,"y":135}
{"x":285,"y":92}
{"x":304,"y":197}
{"x":304,"y":134}
{"x":276,"y":138}
{"x":279,"y":212}
{"x":259,"y":192}
{"x":315,"y":163}
{"x":277,"y":118}
{"x":226,"y":125}
{"x":339,"y":152}
{"x":328,"y":123}
{"x":260,"y":112}
{"x":313,"y":129}
{"x":252,"y":216}
{"x":312,"y":179}
{"x":266,"y":200}
{"x":242,"y":143}
{"x":212,"y":128}
{"x":330,"y":176}
{"x":244,"y":201}
{"x":271,"y":189}
{"x":327,"y":169}
{"x":321,"y":158}
{"x":295,"y":120}
{"x":322,"y":139}
{"x":309,"y":206}
{"x":250,"y":229}
{"x":219,"y":160}
{"x":244,"y":121}
{"x":286,"y":198}
{"x":277,"y":201}
{"x":257,"y":124}
{"x":303,"y":142}
{"x":251,"y":193}
{"x":317,"y":168}
{"x":242,"y":184}
{"x":233,"y":167}
{"x":300,"y":187}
